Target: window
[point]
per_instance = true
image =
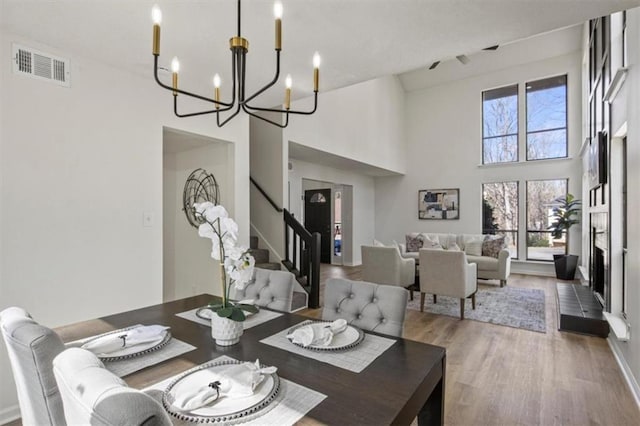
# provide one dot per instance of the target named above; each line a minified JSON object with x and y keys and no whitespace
{"x":547,"y":118}
{"x":541,"y":195}
{"x":500,"y":212}
{"x":500,"y":125}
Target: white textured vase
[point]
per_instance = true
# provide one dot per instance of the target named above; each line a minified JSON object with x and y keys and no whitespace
{"x":225,"y":332}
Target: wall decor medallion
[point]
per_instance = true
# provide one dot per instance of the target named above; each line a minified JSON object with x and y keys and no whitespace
{"x":441,"y":204}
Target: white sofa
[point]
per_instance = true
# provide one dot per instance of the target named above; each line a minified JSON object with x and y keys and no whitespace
{"x":489,"y":268}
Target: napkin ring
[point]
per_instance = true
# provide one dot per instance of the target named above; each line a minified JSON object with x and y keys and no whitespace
{"x":124,"y":340}
{"x":215,"y":385}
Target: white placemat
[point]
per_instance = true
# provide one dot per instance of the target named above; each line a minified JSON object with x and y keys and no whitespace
{"x":293,"y":402}
{"x":355,"y":359}
{"x":252,"y":320}
{"x":125,"y":367}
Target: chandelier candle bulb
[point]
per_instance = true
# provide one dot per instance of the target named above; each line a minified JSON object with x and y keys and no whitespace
{"x":287,"y":92}
{"x":216,"y":85}
{"x":156,"y":16}
{"x":175,"y":68}
{"x":277,"y":12}
{"x":316,"y":71}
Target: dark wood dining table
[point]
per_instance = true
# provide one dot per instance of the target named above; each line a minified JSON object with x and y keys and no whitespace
{"x":405,"y":382}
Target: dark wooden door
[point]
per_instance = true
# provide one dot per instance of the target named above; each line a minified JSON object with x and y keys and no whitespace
{"x":317,"y":218}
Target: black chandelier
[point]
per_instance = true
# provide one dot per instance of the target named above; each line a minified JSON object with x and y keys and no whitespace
{"x":239,"y":101}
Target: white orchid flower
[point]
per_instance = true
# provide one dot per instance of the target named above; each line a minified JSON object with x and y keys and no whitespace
{"x":243,"y":270}
{"x":212,"y":213}
{"x":201,"y":207}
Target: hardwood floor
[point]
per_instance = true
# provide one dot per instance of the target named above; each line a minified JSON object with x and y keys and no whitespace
{"x":499,"y":375}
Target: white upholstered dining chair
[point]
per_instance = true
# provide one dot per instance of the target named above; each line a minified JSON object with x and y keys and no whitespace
{"x":447,"y":273}
{"x":31,"y":348}
{"x":268,"y":288}
{"x":93,"y":395}
{"x":374,"y":307}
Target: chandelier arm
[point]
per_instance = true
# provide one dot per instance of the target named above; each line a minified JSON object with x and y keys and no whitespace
{"x":193,"y":114}
{"x":193,"y":95}
{"x":282,"y":126}
{"x":285,"y":111}
{"x":228,"y":118}
{"x":271,"y":83}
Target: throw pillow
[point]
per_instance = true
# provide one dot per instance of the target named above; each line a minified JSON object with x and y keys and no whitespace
{"x":454,"y":247}
{"x":414,"y":242}
{"x":492,"y":245}
{"x":473,"y":248}
{"x":431,"y":242}
{"x":377,"y":243}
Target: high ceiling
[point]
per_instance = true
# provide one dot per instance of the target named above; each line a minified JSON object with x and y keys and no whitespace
{"x":358,"y":39}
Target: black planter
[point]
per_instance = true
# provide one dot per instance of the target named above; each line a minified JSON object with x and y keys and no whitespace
{"x":566,"y":265}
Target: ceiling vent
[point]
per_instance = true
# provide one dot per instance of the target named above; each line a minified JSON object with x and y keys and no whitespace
{"x":41,"y":65}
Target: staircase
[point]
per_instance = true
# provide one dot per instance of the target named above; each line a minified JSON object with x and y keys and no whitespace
{"x":262,"y":261}
{"x":261,"y":255}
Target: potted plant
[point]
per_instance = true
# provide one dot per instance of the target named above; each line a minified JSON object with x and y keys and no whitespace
{"x":236,"y":268}
{"x":566,"y":213}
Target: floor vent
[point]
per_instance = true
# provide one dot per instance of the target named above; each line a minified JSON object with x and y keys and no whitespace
{"x":41,"y":65}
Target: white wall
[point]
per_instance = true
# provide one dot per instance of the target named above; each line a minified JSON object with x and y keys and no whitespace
{"x":363,"y":217}
{"x":444,"y":136}
{"x":79,"y":166}
{"x":626,"y":106}
{"x":363,"y":122}
{"x":188,"y":268}
{"x":268,"y":164}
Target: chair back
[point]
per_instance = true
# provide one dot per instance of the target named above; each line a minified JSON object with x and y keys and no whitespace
{"x":369,"y":306}
{"x":444,"y":273}
{"x":380,"y":265}
{"x":271,"y":289}
{"x":93,"y":395}
{"x":31,"y":348}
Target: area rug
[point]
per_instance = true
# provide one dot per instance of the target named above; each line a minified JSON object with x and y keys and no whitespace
{"x":510,"y":306}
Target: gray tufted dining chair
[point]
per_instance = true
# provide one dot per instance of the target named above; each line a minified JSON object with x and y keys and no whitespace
{"x":31,"y":348}
{"x":271,"y":289}
{"x":93,"y":395}
{"x":374,"y":307}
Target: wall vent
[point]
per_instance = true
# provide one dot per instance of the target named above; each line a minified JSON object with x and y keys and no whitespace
{"x":41,"y":65}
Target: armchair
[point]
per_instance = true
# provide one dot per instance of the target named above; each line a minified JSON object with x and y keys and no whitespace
{"x":447,"y":273}
{"x":384,"y":265}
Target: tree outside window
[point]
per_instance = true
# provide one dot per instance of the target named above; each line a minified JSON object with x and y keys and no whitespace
{"x":500,"y":212}
{"x":500,"y":125}
{"x":541,"y":195}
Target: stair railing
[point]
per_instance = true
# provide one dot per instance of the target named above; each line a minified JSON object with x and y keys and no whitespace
{"x":302,"y":251}
{"x":304,"y":248}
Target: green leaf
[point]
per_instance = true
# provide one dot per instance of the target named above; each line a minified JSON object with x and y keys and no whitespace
{"x":237,"y":314}
{"x":225,"y":312}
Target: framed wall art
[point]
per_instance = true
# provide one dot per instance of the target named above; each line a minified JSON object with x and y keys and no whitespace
{"x":443,"y":204}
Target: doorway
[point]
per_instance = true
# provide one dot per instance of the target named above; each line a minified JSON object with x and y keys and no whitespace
{"x":187,"y":268}
{"x":317,"y":218}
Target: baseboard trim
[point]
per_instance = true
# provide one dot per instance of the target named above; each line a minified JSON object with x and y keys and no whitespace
{"x":9,"y":414}
{"x":625,"y":369}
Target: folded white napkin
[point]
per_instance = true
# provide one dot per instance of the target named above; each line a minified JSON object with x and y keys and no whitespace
{"x":317,"y":334}
{"x":114,"y":342}
{"x":236,"y":381}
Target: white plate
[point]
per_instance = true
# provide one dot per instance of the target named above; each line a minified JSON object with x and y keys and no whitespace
{"x":136,"y":350}
{"x":224,"y":409}
{"x":349,"y":338}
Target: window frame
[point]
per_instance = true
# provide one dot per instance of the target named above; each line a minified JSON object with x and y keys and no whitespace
{"x":508,"y":231}
{"x":526,"y":206}
{"x":516,"y":134}
{"x":566,"y":119}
